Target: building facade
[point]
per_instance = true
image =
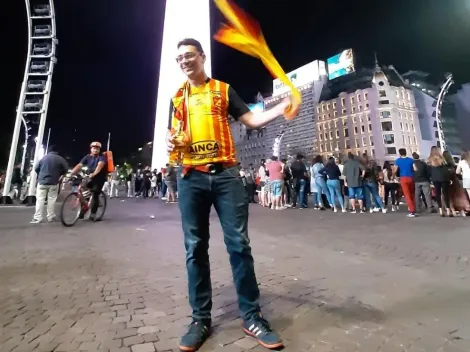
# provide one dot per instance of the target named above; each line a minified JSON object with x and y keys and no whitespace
{"x":367,"y":112}
{"x":426,"y":93}
{"x":298,"y":135}
{"x":462,"y":106}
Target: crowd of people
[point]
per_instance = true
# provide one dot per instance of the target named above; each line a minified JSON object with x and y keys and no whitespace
{"x":438,"y":183}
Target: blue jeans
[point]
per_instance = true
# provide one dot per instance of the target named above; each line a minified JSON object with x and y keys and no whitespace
{"x":334,"y":186}
{"x":373,"y":188}
{"x":322,"y":189}
{"x":164,"y":188}
{"x":225,"y":191}
{"x":301,"y":193}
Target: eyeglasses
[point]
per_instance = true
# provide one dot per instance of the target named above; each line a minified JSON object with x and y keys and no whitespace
{"x":187,"y":56}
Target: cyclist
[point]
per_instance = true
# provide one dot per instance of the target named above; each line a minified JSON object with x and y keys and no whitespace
{"x":96,"y":164}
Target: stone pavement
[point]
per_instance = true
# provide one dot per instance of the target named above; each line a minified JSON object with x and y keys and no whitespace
{"x":329,"y":282}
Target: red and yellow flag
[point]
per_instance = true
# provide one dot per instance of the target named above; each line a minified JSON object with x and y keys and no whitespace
{"x":244,"y":34}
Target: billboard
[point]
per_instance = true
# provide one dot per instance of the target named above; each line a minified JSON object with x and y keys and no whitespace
{"x":341,"y":64}
{"x":299,"y":77}
{"x":258,"y":107}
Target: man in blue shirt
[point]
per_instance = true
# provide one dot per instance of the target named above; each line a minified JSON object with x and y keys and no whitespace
{"x":404,"y":169}
{"x":96,"y":164}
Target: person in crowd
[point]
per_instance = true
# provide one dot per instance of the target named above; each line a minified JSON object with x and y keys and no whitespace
{"x":276,"y":178}
{"x":422,"y":177}
{"x":404,"y":169}
{"x":333,"y":174}
{"x":463,"y":169}
{"x":262,"y":176}
{"x":441,"y":178}
{"x":391,"y":185}
{"x":299,"y":178}
{"x":131,"y":177}
{"x":153,"y":185}
{"x":115,"y":178}
{"x":170,"y":180}
{"x":250,"y":182}
{"x":320,"y":181}
{"x":354,"y":173}
{"x":159,"y":183}
{"x":458,"y":198}
{"x":50,"y":170}
{"x":287,"y":183}
{"x":371,"y":185}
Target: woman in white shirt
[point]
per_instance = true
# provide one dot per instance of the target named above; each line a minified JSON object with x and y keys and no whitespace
{"x":464,"y":169}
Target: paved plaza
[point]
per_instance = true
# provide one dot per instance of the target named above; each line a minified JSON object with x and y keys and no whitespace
{"x":329,"y":282}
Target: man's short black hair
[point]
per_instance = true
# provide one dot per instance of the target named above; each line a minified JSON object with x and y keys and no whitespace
{"x":402,"y":151}
{"x":415,"y":156}
{"x":274,"y":158}
{"x":300,"y":156}
{"x":193,"y":42}
{"x":350,"y":156}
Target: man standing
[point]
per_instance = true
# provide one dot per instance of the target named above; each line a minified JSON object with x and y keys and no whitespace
{"x":114,"y":191}
{"x":404,"y":169}
{"x":250,"y":182}
{"x":354,"y":173}
{"x":422,"y":178}
{"x":299,"y":177}
{"x":49,"y":170}
{"x":210,"y":176}
{"x":276,"y":178}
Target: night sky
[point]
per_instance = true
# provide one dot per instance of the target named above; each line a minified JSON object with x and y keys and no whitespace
{"x":109,"y":51}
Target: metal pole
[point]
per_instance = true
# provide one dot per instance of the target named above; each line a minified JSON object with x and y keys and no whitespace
{"x":440,"y":99}
{"x":109,"y":141}
{"x":17,"y":128}
{"x":47,"y":144}
{"x":25,"y":145}
{"x":40,"y":137}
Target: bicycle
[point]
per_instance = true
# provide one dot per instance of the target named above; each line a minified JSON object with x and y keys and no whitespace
{"x":81,"y":201}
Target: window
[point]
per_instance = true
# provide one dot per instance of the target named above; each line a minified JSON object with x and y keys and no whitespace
{"x":403,"y":139}
{"x":367,"y":106}
{"x":331,"y":134}
{"x":407,"y":127}
{"x":343,"y":101}
{"x":372,"y":151}
{"x":403,"y":95}
{"x":320,"y":137}
{"x":326,"y":136}
{"x":389,"y":139}
{"x":370,"y":127}
{"x":323,"y":107}
{"x":355,"y":130}
{"x":318,"y":110}
{"x":346,"y":133}
{"x":354,"y":119}
{"x":321,"y":148}
{"x":391,"y":151}
{"x":363,"y":129}
{"x":366,"y":96}
{"x":413,"y":127}
{"x":408,"y":95}
{"x":368,"y":117}
{"x":384,"y":102}
{"x":353,"y":109}
{"x":409,"y":139}
{"x":352,"y":100}
{"x":385,"y":114}
{"x":361,"y":120}
{"x":358,"y":97}
{"x":371,"y":140}
{"x":356,"y":142}
{"x":364,"y":141}
{"x":328,"y":106}
{"x":414,"y":140}
{"x":346,"y":144}
{"x":334,"y":105}
{"x":382,"y":93}
{"x":335,"y":114}
{"x":401,"y":126}
{"x":337,"y":134}
{"x":397,"y":94}
{"x":344,"y":111}
{"x":336,"y":123}
{"x":387,"y":126}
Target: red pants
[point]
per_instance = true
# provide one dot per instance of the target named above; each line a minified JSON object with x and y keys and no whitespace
{"x":408,"y":187}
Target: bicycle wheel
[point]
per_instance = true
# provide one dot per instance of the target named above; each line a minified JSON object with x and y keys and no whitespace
{"x":103,"y":202}
{"x":70,"y":210}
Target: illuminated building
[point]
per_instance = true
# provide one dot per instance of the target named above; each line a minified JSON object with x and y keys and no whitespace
{"x":426,"y":93}
{"x":462,"y":105}
{"x":179,"y":24}
{"x":370,"y":111}
{"x":299,"y":134}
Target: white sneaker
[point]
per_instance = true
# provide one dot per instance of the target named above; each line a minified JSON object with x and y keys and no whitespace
{"x":35,"y":221}
{"x":384,"y":211}
{"x":376,"y":210}
{"x":335,"y":210}
{"x":344,"y":210}
{"x":371,"y":210}
{"x":394,"y":208}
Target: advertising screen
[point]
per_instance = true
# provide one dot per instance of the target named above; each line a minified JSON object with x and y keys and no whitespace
{"x":299,"y":77}
{"x":341,"y":64}
{"x":258,"y":107}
